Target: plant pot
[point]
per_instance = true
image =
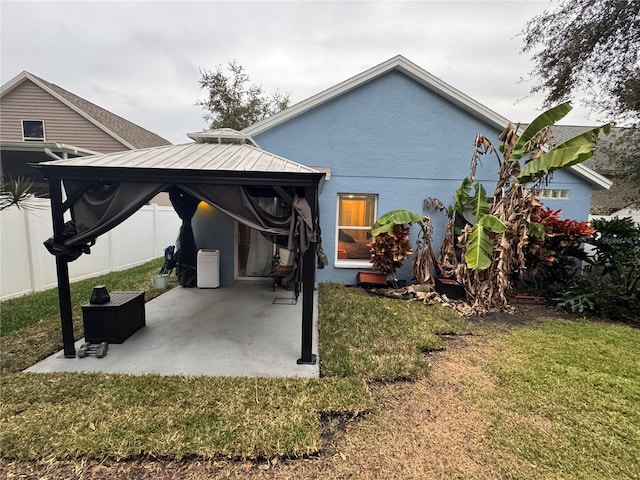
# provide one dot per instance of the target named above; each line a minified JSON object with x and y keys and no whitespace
{"x":450,"y":288}
{"x":371,"y":279}
{"x":160,"y":281}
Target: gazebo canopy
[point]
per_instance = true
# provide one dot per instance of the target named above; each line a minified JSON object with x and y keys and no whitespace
{"x":222,"y":167}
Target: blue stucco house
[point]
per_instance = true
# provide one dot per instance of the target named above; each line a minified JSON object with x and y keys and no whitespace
{"x":387,"y":139}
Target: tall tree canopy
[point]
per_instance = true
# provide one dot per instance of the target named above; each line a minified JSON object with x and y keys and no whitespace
{"x":234,"y":102}
{"x":592,"y":46}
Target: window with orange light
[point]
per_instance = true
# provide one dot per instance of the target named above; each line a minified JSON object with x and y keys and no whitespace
{"x":356,"y":216}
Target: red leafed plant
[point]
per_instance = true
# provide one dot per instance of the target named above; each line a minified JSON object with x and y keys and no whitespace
{"x":551,"y":259}
{"x":390,"y":250}
{"x":560,"y":234}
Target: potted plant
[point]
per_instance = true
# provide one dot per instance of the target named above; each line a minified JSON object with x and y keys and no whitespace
{"x":391,"y":245}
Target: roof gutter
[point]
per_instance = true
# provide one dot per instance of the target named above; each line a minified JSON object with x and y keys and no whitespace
{"x":53,"y":146}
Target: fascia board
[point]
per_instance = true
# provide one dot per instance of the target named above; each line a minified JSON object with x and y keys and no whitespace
{"x":79,"y":111}
{"x":40,"y":146}
{"x":594,"y":178}
{"x":13,"y":83}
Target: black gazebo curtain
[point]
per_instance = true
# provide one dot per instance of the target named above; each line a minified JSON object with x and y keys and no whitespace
{"x":185,"y":206}
{"x":100,"y":207}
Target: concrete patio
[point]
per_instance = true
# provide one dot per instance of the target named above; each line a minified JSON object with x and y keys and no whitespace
{"x":235,"y":330}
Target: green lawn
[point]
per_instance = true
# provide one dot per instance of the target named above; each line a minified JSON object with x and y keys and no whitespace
{"x":567,"y":400}
{"x":560,"y":398}
{"x":379,"y":338}
{"x":45,"y":416}
{"x":30,"y":325}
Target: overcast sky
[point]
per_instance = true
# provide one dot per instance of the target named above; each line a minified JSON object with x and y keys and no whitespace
{"x":142,"y":60}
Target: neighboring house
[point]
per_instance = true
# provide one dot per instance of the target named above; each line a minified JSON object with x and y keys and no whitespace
{"x":40,"y":121}
{"x":388,"y":138}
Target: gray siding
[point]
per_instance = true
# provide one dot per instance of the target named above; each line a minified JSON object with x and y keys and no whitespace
{"x":62,"y":124}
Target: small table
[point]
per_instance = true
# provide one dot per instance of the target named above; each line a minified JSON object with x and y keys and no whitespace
{"x":116,"y":320}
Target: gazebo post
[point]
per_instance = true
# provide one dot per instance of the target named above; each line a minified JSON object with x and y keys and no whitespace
{"x":62,"y":269}
{"x":308,"y":281}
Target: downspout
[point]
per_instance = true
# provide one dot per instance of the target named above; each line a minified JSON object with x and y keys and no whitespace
{"x":50,"y":154}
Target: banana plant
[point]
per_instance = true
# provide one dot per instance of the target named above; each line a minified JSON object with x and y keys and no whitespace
{"x":479,"y":251}
{"x":539,"y":162}
{"x":390,"y":219}
{"x":391,"y":246}
{"x":573,"y":151}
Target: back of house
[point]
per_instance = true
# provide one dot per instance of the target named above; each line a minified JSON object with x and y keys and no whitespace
{"x":388,"y":138}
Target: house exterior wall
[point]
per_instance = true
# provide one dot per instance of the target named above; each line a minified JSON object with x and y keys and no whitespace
{"x":396,"y":139}
{"x":576,"y":207}
{"x":213,"y":229}
{"x":28,"y":101}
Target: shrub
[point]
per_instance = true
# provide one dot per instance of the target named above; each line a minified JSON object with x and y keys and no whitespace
{"x":554,"y":259}
{"x":610,"y":283}
{"x":390,"y":250}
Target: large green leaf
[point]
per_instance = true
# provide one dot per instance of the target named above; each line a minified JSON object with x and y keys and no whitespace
{"x":480,"y":250}
{"x":461,"y":197}
{"x":493,"y":223}
{"x":573,"y":151}
{"x":478,"y":255}
{"x":545,"y":119}
{"x":588,"y":137}
{"x":537,"y":230}
{"x":479,"y":204}
{"x":387,"y":221}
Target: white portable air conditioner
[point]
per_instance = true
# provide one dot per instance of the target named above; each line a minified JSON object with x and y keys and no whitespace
{"x":208,"y":268}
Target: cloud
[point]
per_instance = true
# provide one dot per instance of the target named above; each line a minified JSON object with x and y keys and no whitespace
{"x":142,"y":60}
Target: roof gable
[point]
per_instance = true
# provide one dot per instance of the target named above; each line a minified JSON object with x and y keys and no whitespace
{"x":423,"y":78}
{"x":124,"y":131}
{"x":400,"y":64}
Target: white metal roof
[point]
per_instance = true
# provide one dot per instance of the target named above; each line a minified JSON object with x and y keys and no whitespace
{"x":222,"y":135}
{"x":192,"y":156}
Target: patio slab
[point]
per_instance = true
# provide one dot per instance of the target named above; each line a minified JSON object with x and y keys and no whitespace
{"x":234,"y":330}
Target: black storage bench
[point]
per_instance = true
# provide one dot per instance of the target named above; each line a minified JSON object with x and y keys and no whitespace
{"x":116,"y":320}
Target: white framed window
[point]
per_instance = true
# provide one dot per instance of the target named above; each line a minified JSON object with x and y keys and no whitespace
{"x":554,"y":193}
{"x":355,"y":216}
{"x":33,"y":130}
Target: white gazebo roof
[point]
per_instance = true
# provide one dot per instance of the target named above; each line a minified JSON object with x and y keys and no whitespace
{"x":206,"y":156}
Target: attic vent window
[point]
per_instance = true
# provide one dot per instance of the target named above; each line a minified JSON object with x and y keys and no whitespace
{"x":33,"y":130}
{"x":554,"y":193}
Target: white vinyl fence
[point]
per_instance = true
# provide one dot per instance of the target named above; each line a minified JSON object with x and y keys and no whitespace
{"x":26,"y":265}
{"x":634,"y":213}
